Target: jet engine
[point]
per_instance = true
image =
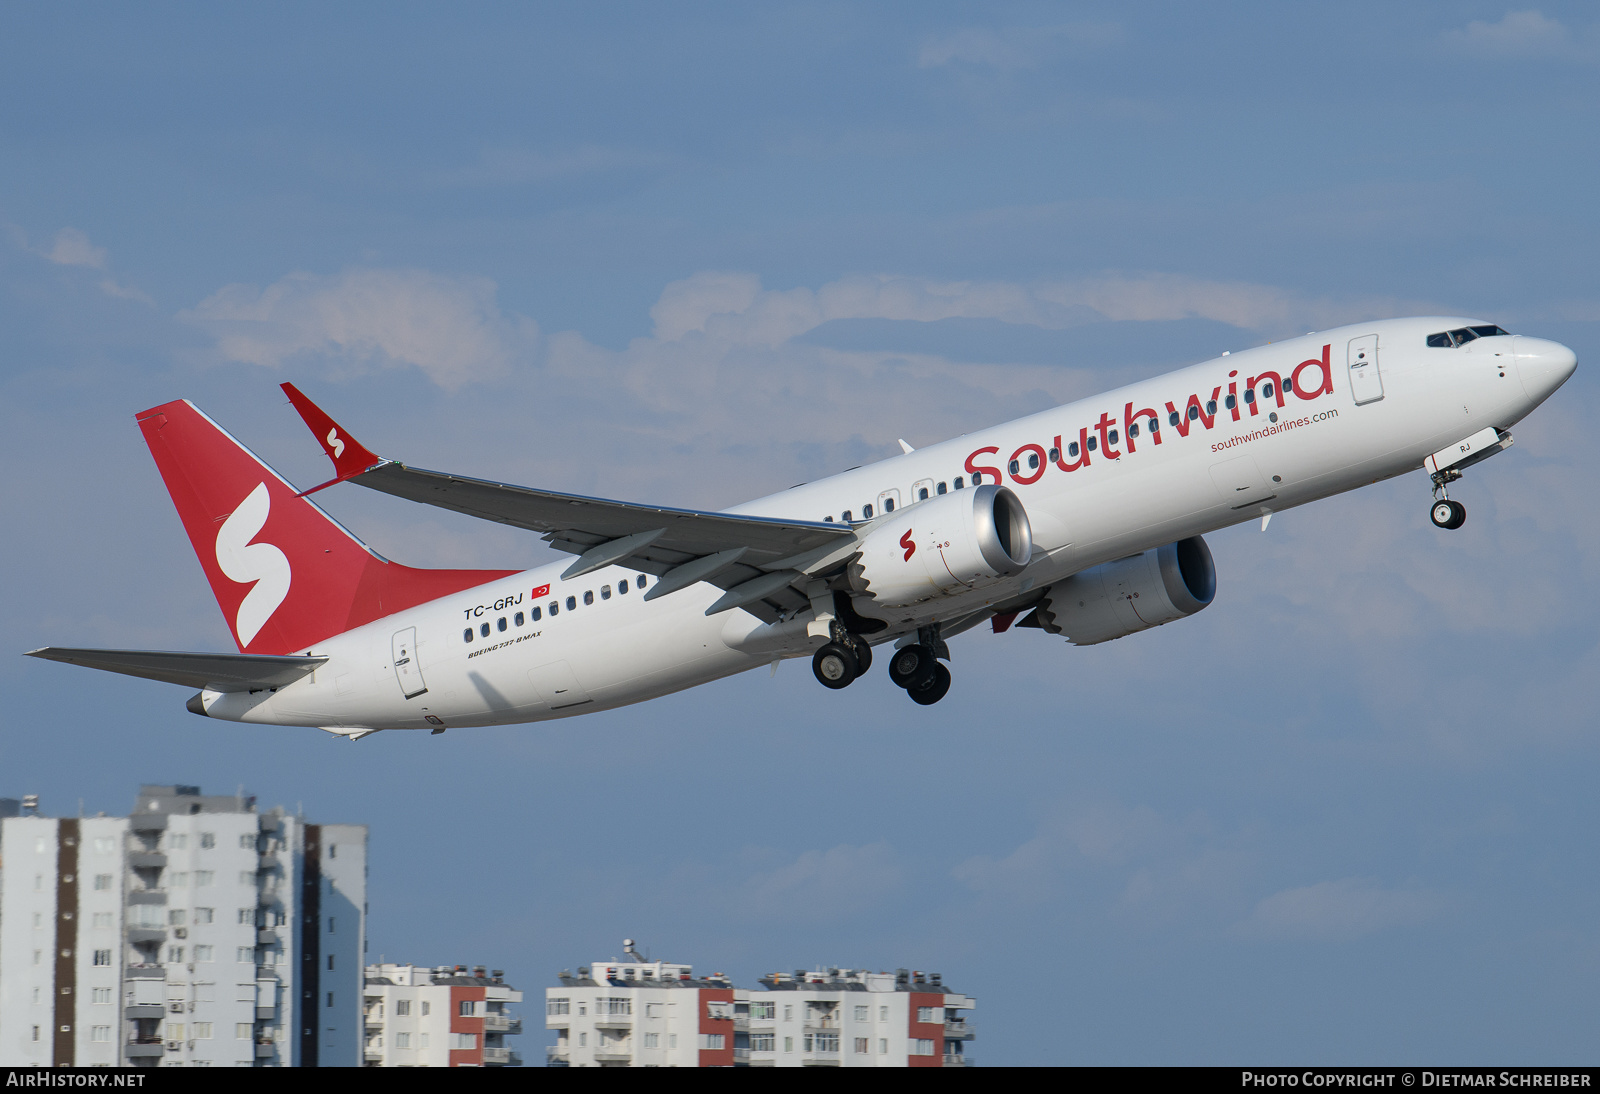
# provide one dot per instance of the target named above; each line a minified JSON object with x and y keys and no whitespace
{"x":943,"y":546}
{"x":1131,"y":594}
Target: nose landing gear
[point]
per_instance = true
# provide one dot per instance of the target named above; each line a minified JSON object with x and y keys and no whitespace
{"x":1445,"y":466}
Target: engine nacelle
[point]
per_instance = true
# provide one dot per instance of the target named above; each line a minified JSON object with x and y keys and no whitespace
{"x":1131,"y":594}
{"x":944,"y":545}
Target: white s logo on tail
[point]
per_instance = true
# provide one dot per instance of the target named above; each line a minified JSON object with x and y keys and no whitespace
{"x":244,"y":562}
{"x":336,"y":442}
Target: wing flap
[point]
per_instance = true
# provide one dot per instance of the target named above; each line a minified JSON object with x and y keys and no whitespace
{"x":212,"y":671}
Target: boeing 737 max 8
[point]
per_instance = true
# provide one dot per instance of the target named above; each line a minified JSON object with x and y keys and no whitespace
{"x":1084,"y":520}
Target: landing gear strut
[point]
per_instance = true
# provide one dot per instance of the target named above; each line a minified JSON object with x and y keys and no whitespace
{"x":838,"y":664}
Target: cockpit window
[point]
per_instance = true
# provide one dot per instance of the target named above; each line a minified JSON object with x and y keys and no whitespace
{"x":1463,"y":335}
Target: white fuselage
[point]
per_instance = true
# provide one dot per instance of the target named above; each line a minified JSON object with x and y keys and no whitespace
{"x":616,"y":648}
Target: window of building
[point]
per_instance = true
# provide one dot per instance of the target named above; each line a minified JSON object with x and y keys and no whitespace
{"x":245,"y":953}
{"x":583,"y":1039}
{"x":863,"y":1014}
{"x":788,"y":1013}
{"x":762,"y":1042}
{"x":177,"y":841}
{"x":202,"y":1031}
{"x":174,"y":954}
{"x":763,"y":1011}
{"x":102,"y":919}
{"x":558,"y":1006}
{"x":104,"y":845}
{"x":426,"y":1007}
{"x":652,"y":1040}
{"x":925,"y":1014}
{"x":464,"y":1040}
{"x":422,"y":1038}
{"x":922,"y":1046}
{"x":101,"y":995}
{"x":102,"y":958}
{"x":713,"y":1042}
{"x":605,"y":1005}
{"x":100,"y":1033}
{"x":788,"y":1044}
{"x":243,"y":1030}
{"x":464,"y":1008}
{"x":331,"y":921}
{"x":861,"y":1044}
{"x":102,"y":882}
{"x":246,"y":915}
{"x":883,"y":1045}
{"x":208,"y":840}
{"x":330,"y":999}
{"x":205,"y":877}
{"x":883,"y":1014}
{"x":402,"y":1040}
{"x":402,"y":1007}
{"x":330,"y":962}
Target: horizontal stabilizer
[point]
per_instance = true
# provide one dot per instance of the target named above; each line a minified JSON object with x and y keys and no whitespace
{"x":210,"y":671}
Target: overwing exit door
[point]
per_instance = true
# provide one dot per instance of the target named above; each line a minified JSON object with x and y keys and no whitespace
{"x":1366,"y":383}
{"x":407,"y":669}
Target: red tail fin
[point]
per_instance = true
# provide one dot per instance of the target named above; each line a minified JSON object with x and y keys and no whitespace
{"x":285,"y":574}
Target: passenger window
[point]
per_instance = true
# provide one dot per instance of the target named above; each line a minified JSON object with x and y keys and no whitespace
{"x":572,"y":603}
{"x":605,"y":592}
{"x":1230,"y":402}
{"x":1249,"y":394}
{"x":1155,"y":426}
{"x":1072,"y":449}
{"x":827,"y":520}
{"x":588,"y":596}
{"x":888,"y":505}
{"x":846,"y":517}
{"x":501,"y":626}
{"x":1211,"y":406}
{"x":639,"y":581}
{"x":1133,"y":430}
{"x":1033,"y":461}
{"x":1288,"y":383}
{"x":555,"y":608}
{"x":866,"y":512}
{"x":1094,"y":443}
{"x":622,"y":586}
{"x":922,"y":493}
{"x":977,"y":478}
{"x":1055,"y":454}
{"x":1266,"y":391}
{"x":1112,"y":436}
{"x":958,"y":482}
{"x":940,"y":489}
{"x":1015,"y":467}
{"x":517,"y":619}
{"x":484,"y":630}
{"x":1173,"y":417}
{"x":536,"y":613}
{"x":1440,"y":340}
{"x":466,"y":635}
{"x":1194,"y":412}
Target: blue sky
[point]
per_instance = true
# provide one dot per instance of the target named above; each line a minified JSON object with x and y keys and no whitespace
{"x":695,"y":253}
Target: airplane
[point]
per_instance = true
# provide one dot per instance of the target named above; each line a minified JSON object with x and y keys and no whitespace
{"x":1084,"y":521}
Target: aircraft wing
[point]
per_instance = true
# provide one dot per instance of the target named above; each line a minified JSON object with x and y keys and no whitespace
{"x":747,"y":556}
{"x":213,"y":671}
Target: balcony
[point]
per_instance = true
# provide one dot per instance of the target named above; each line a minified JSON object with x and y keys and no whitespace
{"x":137,"y":935}
{"x":147,"y":860}
{"x":266,"y":937}
{"x":613,"y":1054}
{"x":613,"y":1021}
{"x":144,"y":1049}
{"x":265,"y":1050}
{"x":148,"y":822}
{"x":959,"y":1031}
{"x":147,"y":896}
{"x":502,"y":1023}
{"x":501,"y":1057}
{"x":145,"y":972}
{"x":372,"y":1021}
{"x":143,"y":1010}
{"x":555,"y":1056}
{"x":957,"y":1059}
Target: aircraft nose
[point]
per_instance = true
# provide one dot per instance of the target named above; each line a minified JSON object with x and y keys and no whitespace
{"x":1543,"y":366}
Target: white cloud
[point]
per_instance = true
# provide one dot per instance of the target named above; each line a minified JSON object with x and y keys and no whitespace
{"x":450,"y":328}
{"x":72,"y":248}
{"x":832,"y":884}
{"x":1015,"y":47}
{"x":1523,"y":35}
{"x":1347,"y":908}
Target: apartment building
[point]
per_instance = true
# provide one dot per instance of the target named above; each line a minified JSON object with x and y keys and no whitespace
{"x":639,"y":1013}
{"x":193,"y":932}
{"x":439,"y":1017}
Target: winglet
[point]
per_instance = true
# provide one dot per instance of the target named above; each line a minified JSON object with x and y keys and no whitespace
{"x":349,"y":457}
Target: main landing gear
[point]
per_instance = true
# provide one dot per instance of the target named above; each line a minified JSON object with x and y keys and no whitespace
{"x":840,"y":662}
{"x":917,"y":669}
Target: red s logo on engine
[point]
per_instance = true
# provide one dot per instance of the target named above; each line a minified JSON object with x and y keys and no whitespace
{"x":911,"y":548}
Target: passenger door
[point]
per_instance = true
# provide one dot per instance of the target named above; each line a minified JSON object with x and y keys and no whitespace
{"x":1366,"y":383}
{"x":407,"y":669}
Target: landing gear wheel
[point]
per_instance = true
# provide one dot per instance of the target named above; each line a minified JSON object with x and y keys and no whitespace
{"x":863,"y":652}
{"x":913,"y":667}
{"x":933,"y":691}
{"x":1448,"y":514}
{"x":835,"y":666}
